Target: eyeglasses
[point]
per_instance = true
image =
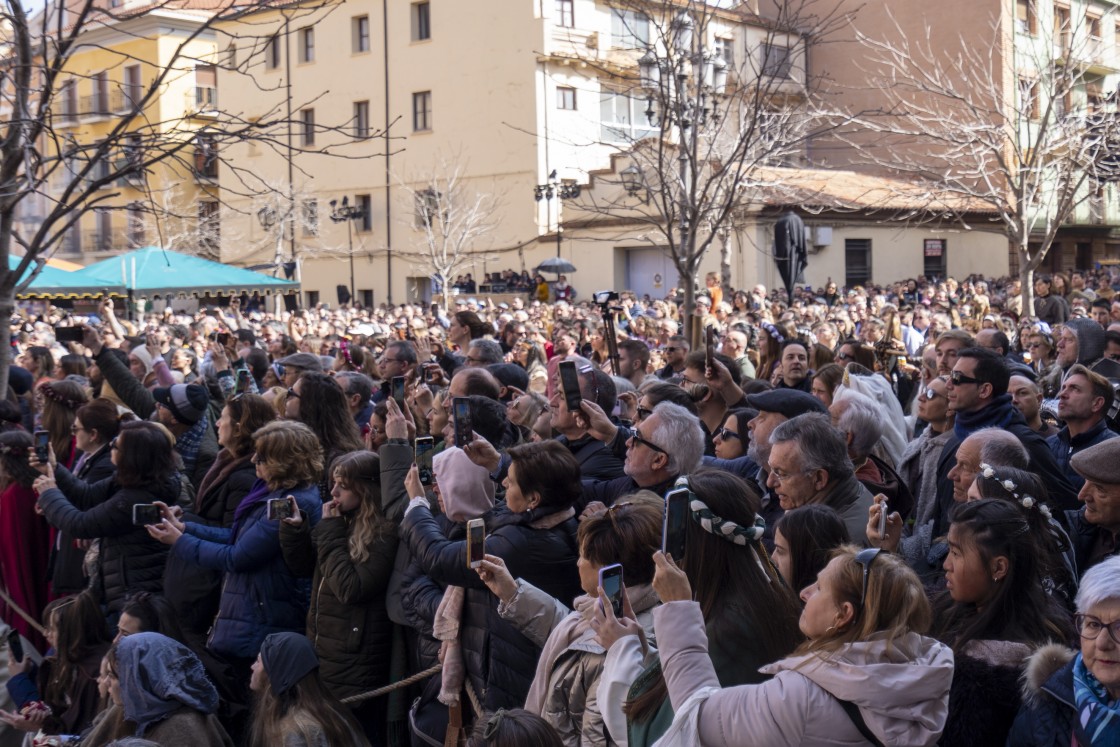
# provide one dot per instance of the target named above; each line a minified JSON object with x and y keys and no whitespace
{"x":113,"y":444}
{"x":844,"y":357}
{"x":780,"y":476}
{"x":637,"y":438}
{"x":959,"y":378}
{"x":929,"y":393}
{"x":75,"y":428}
{"x":866,"y":558}
{"x":293,"y":393}
{"x":644,"y":412}
{"x":1090,"y":627}
{"x":725,"y":433}
{"x":671,"y":349}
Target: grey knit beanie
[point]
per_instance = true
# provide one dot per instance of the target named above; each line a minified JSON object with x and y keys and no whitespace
{"x":1090,"y":340}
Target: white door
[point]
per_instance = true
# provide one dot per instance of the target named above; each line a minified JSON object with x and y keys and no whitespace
{"x":650,"y":271}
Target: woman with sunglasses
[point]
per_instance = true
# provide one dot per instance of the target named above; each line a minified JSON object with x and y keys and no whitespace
{"x":867,"y":673}
{"x":1073,"y":696}
{"x":731,"y":437}
{"x":994,"y":613}
{"x":918,"y":466}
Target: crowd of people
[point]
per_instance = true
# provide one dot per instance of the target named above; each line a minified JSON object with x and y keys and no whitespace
{"x":898,"y":513}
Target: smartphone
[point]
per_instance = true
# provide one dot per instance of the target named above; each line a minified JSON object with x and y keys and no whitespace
{"x":144,"y":514}
{"x":223,"y":338}
{"x":423,"y":458}
{"x":242,"y":381}
{"x":610,"y":580}
{"x":279,"y":508}
{"x":464,"y":431}
{"x":398,"y":390}
{"x":42,"y":445}
{"x":68,"y":334}
{"x":476,"y":542}
{"x":569,"y":383}
{"x":709,"y":349}
{"x":15,"y":645}
{"x":676,"y":524}
{"x":883,"y":519}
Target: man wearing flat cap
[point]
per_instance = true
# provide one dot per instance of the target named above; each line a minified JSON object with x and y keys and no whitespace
{"x":1095,"y":527}
{"x":297,"y":365}
{"x":184,"y":410}
{"x":774,"y":408}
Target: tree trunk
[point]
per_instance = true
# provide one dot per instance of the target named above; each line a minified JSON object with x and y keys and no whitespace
{"x":7,"y":308}
{"x":725,"y":265}
{"x":1026,"y":280}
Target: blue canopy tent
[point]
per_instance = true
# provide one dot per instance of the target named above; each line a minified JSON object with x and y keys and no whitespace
{"x":152,"y":271}
{"x":52,"y":282}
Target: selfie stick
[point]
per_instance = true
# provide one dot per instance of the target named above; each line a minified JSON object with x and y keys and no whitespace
{"x":608,"y":333}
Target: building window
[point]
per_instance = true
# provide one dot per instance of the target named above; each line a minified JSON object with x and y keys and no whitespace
{"x":933,"y":258}
{"x":421,"y":21}
{"x":133,"y":86}
{"x":364,"y":203}
{"x":206,"y":156}
{"x":422,"y":111}
{"x":311,"y":217}
{"x":361,"y":120}
{"x":565,"y":97}
{"x":272,"y":53}
{"x":429,"y":208}
{"x":307,"y":45}
{"x":1028,"y":98}
{"x":1062,"y":28}
{"x":1095,"y":50}
{"x":857,"y":262}
{"x":623,"y":117}
{"x":726,"y":48}
{"x":565,"y":13}
{"x":312,"y":298}
{"x":777,"y":62}
{"x":359,"y":32}
{"x":629,"y":30}
{"x":307,"y":126}
{"x":209,"y":226}
{"x":103,"y":236}
{"x":69,"y":100}
{"x":99,"y":101}
{"x":1026,"y":18}
{"x":135,"y":225}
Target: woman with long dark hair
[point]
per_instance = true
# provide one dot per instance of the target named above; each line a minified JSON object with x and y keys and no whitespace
{"x":317,"y":401}
{"x":749,"y":615}
{"x":804,"y":539}
{"x":129,"y":560}
{"x":293,"y":707}
{"x":350,"y":556}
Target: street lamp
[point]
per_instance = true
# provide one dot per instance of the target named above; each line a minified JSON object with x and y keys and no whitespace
{"x":633,"y":180}
{"x":561,"y":191}
{"x":347,"y":213}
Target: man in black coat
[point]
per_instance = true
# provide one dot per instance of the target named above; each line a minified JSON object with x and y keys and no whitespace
{"x":596,"y":461}
{"x":1094,"y":529}
{"x":977,"y":392}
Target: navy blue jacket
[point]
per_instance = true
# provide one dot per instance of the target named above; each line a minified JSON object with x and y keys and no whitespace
{"x":260,"y":595}
{"x":1047,"y":719}
{"x":1063,"y":448}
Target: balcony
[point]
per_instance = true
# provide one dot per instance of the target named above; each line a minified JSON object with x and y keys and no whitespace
{"x":94,"y":106}
{"x":97,"y":241}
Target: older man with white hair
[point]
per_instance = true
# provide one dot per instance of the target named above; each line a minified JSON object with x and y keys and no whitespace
{"x":860,"y":419}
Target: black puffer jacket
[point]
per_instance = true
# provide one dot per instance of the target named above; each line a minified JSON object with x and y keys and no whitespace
{"x":195,"y":592}
{"x":130,"y":560}
{"x":67,"y":574}
{"x":499,"y":660}
{"x":347,"y":622}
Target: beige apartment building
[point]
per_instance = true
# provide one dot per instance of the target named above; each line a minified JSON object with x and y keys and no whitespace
{"x":503,"y":95}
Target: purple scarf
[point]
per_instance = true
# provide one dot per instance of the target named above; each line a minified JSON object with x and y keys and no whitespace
{"x":260,"y":490}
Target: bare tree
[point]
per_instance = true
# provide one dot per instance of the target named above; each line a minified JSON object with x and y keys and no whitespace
{"x":725,"y":93}
{"x":1019,"y":128}
{"x":454,"y":220}
{"x":52,"y":173}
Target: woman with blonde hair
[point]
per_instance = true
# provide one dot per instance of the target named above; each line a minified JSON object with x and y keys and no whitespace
{"x":260,"y":595}
{"x":349,"y":556}
{"x":866,"y":673}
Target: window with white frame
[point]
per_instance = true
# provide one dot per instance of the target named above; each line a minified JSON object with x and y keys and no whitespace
{"x":359,"y":33}
{"x":629,"y":29}
{"x":623,"y":117}
{"x":422,"y":111}
{"x":361,"y":120}
{"x":565,"y":98}
{"x":777,"y":61}
{"x":565,"y":13}
{"x":307,"y":45}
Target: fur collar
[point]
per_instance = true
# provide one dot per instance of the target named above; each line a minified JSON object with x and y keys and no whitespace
{"x":1041,"y":666}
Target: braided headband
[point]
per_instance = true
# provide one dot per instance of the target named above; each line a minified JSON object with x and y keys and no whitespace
{"x":344,"y":348}
{"x":772,"y":331}
{"x":49,"y":392}
{"x":725,"y":528}
{"x":1025,"y":499}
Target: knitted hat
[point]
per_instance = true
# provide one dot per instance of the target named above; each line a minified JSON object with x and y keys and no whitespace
{"x":1090,"y":339}
{"x":187,"y":402}
{"x":141,"y":353}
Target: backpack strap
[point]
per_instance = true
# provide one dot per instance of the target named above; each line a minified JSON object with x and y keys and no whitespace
{"x":852,"y":710}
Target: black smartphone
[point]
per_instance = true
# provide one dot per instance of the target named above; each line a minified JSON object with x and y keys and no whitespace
{"x":279,"y":508}
{"x":676,"y":522}
{"x":709,"y":349}
{"x":476,"y":542}
{"x":398,"y":390}
{"x":144,"y":514}
{"x":68,"y":334}
{"x":423,"y":458}
{"x":569,"y":383}
{"x":464,"y":431}
{"x":42,"y":446}
{"x":242,"y":381}
{"x":15,"y":645}
{"x":610,"y":581}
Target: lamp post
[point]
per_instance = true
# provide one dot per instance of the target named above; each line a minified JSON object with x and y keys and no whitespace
{"x":347,"y":213}
{"x":561,"y":191}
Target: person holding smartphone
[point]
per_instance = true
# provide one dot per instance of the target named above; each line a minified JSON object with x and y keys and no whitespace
{"x":260,"y":595}
{"x":566,"y":682}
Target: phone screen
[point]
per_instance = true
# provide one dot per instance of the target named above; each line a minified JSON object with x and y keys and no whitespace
{"x":569,"y":382}
{"x":610,"y":579}
{"x":223,"y":338}
{"x":464,"y":432}
{"x":424,"y":447}
{"x":279,"y":508}
{"x":68,"y":334}
{"x":242,"y":381}
{"x":15,"y":645}
{"x":144,"y":514}
{"x":398,"y":390}
{"x":42,"y":445}
{"x":676,"y":518}
{"x":476,"y":542}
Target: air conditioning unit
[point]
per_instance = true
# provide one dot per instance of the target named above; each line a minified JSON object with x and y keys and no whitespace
{"x":821,"y":237}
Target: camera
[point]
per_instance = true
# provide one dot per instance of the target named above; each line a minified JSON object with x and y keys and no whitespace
{"x":605,"y":296}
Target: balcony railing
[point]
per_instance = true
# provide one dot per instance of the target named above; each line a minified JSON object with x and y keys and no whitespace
{"x":97,"y":241}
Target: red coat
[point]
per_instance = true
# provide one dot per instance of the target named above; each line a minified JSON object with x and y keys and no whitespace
{"x":24,"y":550}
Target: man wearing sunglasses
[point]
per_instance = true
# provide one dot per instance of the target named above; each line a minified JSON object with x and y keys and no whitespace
{"x":978,"y":394}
